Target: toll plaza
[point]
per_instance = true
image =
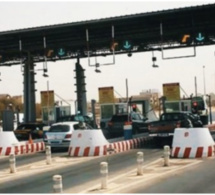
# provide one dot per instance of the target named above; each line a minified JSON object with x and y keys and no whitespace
{"x":169,"y":29}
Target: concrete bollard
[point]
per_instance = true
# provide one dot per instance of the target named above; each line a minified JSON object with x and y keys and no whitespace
{"x":166,"y":155}
{"x":48,"y":155}
{"x":13,"y":150}
{"x":140,"y":161}
{"x":12,"y":161}
{"x":58,"y":186}
{"x":104,"y":174}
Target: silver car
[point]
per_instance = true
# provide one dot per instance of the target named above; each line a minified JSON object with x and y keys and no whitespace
{"x":59,"y":134}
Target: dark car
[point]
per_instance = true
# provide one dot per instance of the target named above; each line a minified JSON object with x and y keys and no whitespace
{"x":23,"y":131}
{"x":117,"y":122}
{"x":195,"y":119}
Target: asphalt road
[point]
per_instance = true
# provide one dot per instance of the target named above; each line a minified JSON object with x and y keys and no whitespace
{"x":76,"y":177}
{"x":82,"y":174}
{"x":196,"y":179}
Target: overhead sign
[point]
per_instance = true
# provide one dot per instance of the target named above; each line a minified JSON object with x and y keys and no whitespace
{"x":171,"y":91}
{"x":106,"y":95}
{"x":47,"y":98}
{"x":198,"y":38}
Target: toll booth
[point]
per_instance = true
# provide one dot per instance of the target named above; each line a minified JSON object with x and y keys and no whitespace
{"x":8,"y":120}
{"x":178,"y":106}
{"x":51,"y":114}
{"x":107,"y":110}
{"x":143,"y":106}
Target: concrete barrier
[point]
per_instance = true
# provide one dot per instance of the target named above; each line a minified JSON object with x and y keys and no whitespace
{"x":88,"y":143}
{"x":93,"y":143}
{"x":192,"y":143}
{"x":10,"y":145}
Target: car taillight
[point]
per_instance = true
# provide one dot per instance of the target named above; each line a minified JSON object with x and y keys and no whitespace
{"x":128,"y":123}
{"x":110,"y":123}
{"x":68,"y":136}
{"x":178,"y":124}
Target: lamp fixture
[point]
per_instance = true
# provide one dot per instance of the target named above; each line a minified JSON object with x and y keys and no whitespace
{"x":154,"y":59}
{"x":97,"y":70}
{"x":45,"y":75}
{"x":129,"y":54}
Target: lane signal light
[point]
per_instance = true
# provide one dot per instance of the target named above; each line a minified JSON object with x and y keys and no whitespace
{"x":195,"y":107}
{"x":200,"y":37}
{"x":50,"y":52}
{"x":195,"y":104}
{"x":127,"y":45}
{"x":185,"y":38}
{"x":114,"y":45}
{"x":61,"y":52}
{"x":134,"y":107}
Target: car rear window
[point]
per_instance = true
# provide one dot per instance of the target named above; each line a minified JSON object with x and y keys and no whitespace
{"x":59,"y":128}
{"x":172,"y":117}
{"x":29,"y":126}
{"x":119,"y":118}
{"x":71,"y":118}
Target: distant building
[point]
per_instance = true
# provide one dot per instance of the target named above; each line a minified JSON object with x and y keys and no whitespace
{"x":3,"y":96}
{"x":18,"y":99}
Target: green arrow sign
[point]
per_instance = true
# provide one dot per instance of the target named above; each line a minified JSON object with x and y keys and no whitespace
{"x":200,"y":37}
{"x":61,"y":52}
{"x":127,"y":45}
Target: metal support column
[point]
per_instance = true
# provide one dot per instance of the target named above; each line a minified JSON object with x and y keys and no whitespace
{"x":29,"y":91}
{"x":81,"y":89}
{"x":93,"y":102}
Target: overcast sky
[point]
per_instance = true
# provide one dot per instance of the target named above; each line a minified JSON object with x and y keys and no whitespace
{"x":137,"y":69}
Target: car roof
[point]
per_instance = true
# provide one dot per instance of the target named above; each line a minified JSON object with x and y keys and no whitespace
{"x":183,"y":112}
{"x":32,"y":123}
{"x":66,"y":123}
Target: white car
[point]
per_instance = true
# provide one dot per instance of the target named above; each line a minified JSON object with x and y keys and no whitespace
{"x":59,"y":134}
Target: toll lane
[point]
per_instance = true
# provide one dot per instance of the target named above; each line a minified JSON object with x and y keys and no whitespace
{"x":195,"y":179}
{"x":78,"y":176}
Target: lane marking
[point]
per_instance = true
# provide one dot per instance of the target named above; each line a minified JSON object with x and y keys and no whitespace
{"x":151,"y":171}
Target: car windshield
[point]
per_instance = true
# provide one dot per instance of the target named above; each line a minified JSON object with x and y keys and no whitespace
{"x":59,"y":128}
{"x":71,"y":118}
{"x":119,"y":118}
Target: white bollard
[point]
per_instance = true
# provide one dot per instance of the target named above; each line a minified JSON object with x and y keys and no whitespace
{"x":140,"y":161}
{"x":48,"y":155}
{"x":58,"y":186}
{"x":166,"y":155}
{"x":13,"y":148}
{"x":104,"y":174}
{"x":12,"y":161}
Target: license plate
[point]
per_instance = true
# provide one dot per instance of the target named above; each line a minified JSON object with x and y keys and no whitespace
{"x":55,"y":142}
{"x":19,"y":135}
{"x":163,"y":134}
